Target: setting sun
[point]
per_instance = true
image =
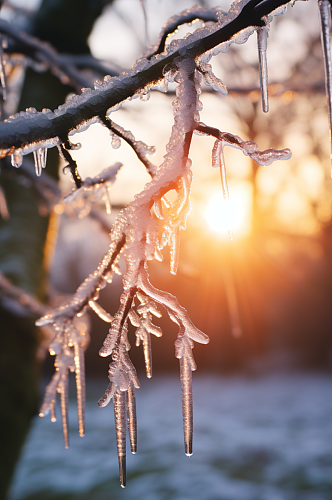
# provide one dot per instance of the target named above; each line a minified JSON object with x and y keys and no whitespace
{"x":233,"y":216}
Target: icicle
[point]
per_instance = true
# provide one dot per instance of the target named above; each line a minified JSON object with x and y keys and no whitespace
{"x":175,"y":250}
{"x":325,"y":17}
{"x":40,"y":160}
{"x":131,"y":418}
{"x":262,"y":35}
{"x":16,"y":158}
{"x":218,"y":160}
{"x":187,"y":404}
{"x":103,"y":401}
{"x":107,"y":198}
{"x":80,"y":387}
{"x":119,"y":400}
{"x":53,"y":411}
{"x":63,"y":389}
{"x":147,"y":353}
{"x":100,"y":311}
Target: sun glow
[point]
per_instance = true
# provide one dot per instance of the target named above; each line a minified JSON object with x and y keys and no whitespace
{"x":233,"y":216}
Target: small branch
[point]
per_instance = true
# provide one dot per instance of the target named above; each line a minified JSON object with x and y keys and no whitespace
{"x":128,"y":137}
{"x":249,"y":148}
{"x":185,"y":17}
{"x":72,"y":165}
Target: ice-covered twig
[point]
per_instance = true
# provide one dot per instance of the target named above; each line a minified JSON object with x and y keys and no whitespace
{"x":325,"y":17}
{"x":72,"y":165}
{"x":249,"y":148}
{"x":89,"y":289}
{"x":96,"y":187}
{"x":140,"y":148}
{"x":196,"y":13}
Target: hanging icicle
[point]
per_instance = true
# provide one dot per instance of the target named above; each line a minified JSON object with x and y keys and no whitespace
{"x":219,"y":161}
{"x":262,"y":36}
{"x":40,"y":156}
{"x":325,"y":17}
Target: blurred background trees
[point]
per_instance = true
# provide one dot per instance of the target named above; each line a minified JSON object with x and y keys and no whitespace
{"x":263,"y":298}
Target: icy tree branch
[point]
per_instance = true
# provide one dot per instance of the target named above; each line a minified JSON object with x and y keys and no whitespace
{"x":26,"y":130}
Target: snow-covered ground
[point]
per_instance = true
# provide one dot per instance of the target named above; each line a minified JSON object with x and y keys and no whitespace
{"x":267,"y":438}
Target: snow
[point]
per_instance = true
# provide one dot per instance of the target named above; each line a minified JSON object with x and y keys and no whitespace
{"x":265,"y":438}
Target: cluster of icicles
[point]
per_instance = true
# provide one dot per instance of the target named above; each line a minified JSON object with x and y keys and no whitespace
{"x":140,"y":232}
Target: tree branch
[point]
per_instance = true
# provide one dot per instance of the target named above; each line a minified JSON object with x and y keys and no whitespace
{"x":25,"y":131}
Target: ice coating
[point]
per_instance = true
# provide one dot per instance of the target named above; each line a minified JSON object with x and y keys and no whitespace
{"x":325,"y":17}
{"x":141,"y":149}
{"x":100,"y":311}
{"x":211,"y":79}
{"x":89,"y":289}
{"x":248,"y":148}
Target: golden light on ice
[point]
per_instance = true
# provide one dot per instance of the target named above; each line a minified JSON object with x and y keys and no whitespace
{"x":231,"y":216}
